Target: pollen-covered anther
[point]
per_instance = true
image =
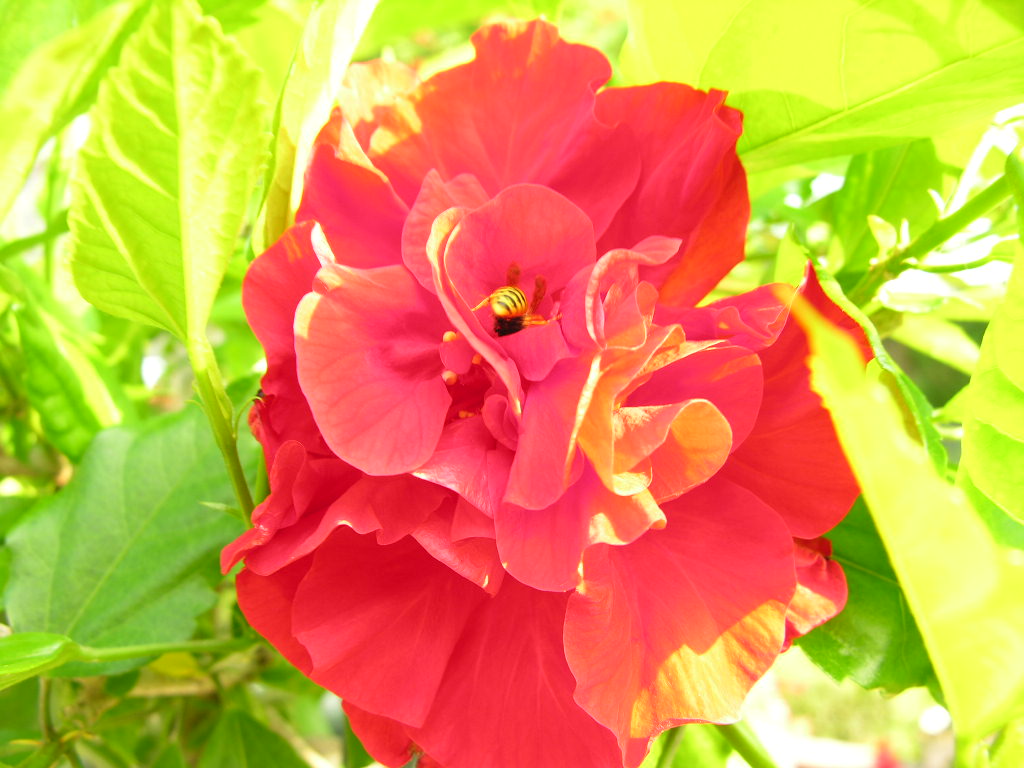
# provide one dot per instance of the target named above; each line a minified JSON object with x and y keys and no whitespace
{"x":449,"y":336}
{"x":477,"y":359}
{"x":466,"y":414}
{"x":449,"y":377}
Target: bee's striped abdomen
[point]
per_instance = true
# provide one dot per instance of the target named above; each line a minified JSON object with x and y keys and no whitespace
{"x":509,"y":302}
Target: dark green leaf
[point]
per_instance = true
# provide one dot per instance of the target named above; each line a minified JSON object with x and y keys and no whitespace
{"x":241,"y":740}
{"x":124,"y":554}
{"x":890,"y":183}
{"x":874,"y":640}
{"x":27,"y":654}
{"x":164,"y":180}
{"x":822,"y":79}
{"x":55,"y":83}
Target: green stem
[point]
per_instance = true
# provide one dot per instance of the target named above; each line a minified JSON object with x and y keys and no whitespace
{"x":85,"y":653}
{"x":51,"y":207}
{"x":57,"y":226}
{"x":938,"y":233}
{"x":210,"y":385}
{"x":672,"y":741}
{"x":742,"y":739}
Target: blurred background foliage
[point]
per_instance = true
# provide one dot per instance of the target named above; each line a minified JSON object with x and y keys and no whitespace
{"x":868,"y":125}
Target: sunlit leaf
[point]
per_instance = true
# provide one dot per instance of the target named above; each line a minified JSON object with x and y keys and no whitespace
{"x":874,"y":641}
{"x":940,"y":339}
{"x":53,"y":84}
{"x":124,"y":554}
{"x":1008,"y":752}
{"x":240,"y":739}
{"x":164,"y":180}
{"x":332,"y":31}
{"x":27,"y":654}
{"x":993,"y":444}
{"x":963,"y":588}
{"x":820,"y":79}
{"x":889,"y":183}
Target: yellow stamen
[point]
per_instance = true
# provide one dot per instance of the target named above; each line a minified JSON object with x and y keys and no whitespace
{"x":449,"y":336}
{"x":477,"y":360}
{"x":449,"y":377}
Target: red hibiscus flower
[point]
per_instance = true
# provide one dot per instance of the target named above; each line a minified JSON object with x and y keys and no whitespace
{"x":530,"y":506}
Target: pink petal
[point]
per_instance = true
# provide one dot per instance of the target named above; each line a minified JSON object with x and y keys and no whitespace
{"x":368,"y":86}
{"x":728,"y":376}
{"x":387,"y":634}
{"x":543,"y":548}
{"x":532,"y":104}
{"x":475,"y":559}
{"x":542,"y":467}
{"x":273,"y":287}
{"x":267,"y":604}
{"x":680,"y":624}
{"x":468,"y":461}
{"x":506,"y":699}
{"x":792,"y":459}
{"x":368,"y":363}
{"x":753,"y":320}
{"x":820,"y":590}
{"x":386,"y":739}
{"x":691,"y":184}
{"x":435,"y":197}
{"x":696,"y":447}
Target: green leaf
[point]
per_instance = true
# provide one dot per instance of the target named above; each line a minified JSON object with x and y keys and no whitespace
{"x":125,"y":553}
{"x":63,"y":385}
{"x":27,"y":654}
{"x":993,"y":443}
{"x":53,"y":84}
{"x":332,"y":31}
{"x":916,"y":409}
{"x":940,"y":339}
{"x":239,"y":739}
{"x":890,"y":183}
{"x":164,"y":180}
{"x":1008,"y":751}
{"x":874,"y":641}
{"x":962,"y":586}
{"x":812,"y":78}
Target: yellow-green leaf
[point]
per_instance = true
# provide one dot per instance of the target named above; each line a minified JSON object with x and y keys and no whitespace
{"x":164,"y":180}
{"x":963,"y":587}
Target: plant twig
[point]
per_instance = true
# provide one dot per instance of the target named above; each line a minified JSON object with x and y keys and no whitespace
{"x":741,"y":737}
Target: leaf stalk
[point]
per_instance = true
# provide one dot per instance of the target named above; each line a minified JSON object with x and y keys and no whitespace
{"x":741,"y":738}
{"x":938,"y":233}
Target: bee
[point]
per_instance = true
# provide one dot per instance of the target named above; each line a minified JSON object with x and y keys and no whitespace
{"x":509,"y":306}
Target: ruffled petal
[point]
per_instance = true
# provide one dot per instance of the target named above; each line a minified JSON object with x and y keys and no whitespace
{"x":370,"y":86}
{"x":368,"y":363}
{"x":387,"y":634}
{"x":386,"y":739}
{"x":273,"y":287}
{"x":792,"y":459}
{"x":434,"y":198}
{"x":506,"y":699}
{"x":532,"y":104}
{"x":680,"y":624}
{"x":691,"y":184}
{"x":544,"y":547}
{"x":820,"y":589}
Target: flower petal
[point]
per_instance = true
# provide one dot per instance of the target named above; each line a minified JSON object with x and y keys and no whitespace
{"x":386,"y":739}
{"x":506,"y":699}
{"x":368,"y":363}
{"x":691,"y":184}
{"x":792,"y":459}
{"x":435,"y":197}
{"x":532,"y":103}
{"x":544,"y":547}
{"x":680,"y":624}
{"x":820,"y":590}
{"x":385,"y":638}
